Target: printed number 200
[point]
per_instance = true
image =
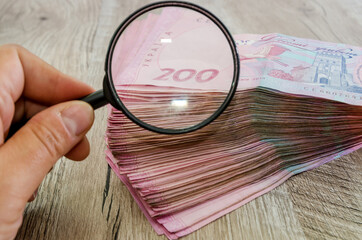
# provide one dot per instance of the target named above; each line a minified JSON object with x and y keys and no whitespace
{"x":183,"y":75}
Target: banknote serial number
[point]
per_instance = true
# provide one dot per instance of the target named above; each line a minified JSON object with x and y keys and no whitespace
{"x":349,"y":95}
{"x":183,"y":75}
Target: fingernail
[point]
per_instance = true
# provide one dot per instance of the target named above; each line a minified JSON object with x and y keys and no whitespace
{"x":78,"y":117}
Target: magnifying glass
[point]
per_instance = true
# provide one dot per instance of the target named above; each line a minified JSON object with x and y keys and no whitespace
{"x":171,"y":67}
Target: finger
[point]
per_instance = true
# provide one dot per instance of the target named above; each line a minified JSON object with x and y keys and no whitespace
{"x":22,"y":73}
{"x":28,"y":156}
{"x":25,"y":109}
{"x":41,"y":81}
{"x":80,"y":151}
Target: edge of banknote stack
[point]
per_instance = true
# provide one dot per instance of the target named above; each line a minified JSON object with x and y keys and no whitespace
{"x":297,"y":107}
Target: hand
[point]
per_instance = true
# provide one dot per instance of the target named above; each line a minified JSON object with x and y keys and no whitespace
{"x":30,"y":88}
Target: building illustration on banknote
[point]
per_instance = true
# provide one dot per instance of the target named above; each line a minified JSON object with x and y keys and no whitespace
{"x":324,"y":67}
{"x":285,"y":61}
{"x":330,"y":69}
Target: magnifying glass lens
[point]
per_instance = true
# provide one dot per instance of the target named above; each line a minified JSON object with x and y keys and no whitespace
{"x":172,"y":67}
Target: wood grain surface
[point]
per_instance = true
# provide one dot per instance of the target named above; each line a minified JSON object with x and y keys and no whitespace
{"x":85,"y":200}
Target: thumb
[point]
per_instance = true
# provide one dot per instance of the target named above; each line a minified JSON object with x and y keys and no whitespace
{"x":27,"y":157}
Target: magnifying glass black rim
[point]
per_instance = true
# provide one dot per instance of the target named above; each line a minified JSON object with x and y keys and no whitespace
{"x":117,"y":103}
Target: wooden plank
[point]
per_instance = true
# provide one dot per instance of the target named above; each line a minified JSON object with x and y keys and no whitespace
{"x":87,"y":201}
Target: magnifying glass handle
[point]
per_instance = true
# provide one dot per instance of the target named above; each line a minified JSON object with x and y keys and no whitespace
{"x":96,"y":99}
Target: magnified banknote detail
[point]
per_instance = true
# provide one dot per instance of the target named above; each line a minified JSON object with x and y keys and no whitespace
{"x":178,"y":63}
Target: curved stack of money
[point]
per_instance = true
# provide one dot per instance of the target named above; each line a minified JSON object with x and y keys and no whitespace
{"x":297,"y":107}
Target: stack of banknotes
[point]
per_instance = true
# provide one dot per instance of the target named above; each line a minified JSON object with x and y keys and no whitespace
{"x":297,"y":106}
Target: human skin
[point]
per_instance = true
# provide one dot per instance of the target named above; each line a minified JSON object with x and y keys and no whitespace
{"x":32,"y":89}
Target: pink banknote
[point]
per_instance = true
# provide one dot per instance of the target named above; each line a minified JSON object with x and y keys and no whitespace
{"x":301,"y":66}
{"x":182,"y":183}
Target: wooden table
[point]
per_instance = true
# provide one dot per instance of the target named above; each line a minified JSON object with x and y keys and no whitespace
{"x":87,"y":201}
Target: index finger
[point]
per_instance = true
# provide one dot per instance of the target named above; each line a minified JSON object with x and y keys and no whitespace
{"x":23,"y":73}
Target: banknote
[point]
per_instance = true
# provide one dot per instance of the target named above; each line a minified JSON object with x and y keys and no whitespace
{"x":167,"y":52}
{"x":297,"y":106}
{"x":301,"y":66}
{"x":185,"y":182}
